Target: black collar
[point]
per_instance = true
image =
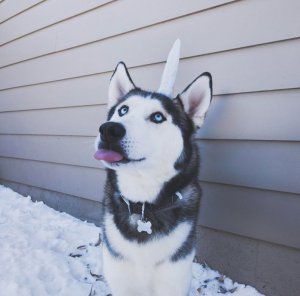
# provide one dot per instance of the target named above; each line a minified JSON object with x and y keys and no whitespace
{"x":136,"y":207}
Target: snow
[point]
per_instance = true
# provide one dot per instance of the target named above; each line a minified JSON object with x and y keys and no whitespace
{"x":45,"y":252}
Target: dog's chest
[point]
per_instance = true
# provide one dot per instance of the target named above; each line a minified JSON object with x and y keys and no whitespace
{"x":155,"y":250}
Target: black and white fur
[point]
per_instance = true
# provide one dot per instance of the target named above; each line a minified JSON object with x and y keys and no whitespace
{"x":160,"y":159}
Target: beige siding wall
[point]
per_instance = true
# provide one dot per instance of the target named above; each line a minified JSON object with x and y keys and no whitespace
{"x":56,"y":58}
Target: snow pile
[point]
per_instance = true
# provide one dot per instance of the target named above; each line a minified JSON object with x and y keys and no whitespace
{"x":44,"y":252}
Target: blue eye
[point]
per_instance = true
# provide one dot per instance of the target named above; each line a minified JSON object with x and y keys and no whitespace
{"x":157,"y":117}
{"x":123,"y":110}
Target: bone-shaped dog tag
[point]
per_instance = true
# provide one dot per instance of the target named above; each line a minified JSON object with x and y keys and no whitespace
{"x":144,"y":226}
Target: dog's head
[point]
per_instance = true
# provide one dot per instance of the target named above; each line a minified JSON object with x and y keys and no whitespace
{"x":151,"y":130}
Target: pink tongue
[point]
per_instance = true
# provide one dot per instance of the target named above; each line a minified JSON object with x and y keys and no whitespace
{"x":108,"y":155}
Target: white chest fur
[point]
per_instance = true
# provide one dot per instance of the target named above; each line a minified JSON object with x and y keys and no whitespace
{"x":158,"y":249}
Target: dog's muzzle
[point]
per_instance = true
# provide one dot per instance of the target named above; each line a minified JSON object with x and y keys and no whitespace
{"x":109,"y":149}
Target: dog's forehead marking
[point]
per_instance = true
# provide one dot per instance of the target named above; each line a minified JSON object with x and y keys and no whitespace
{"x":142,"y":106}
{"x":147,"y":103}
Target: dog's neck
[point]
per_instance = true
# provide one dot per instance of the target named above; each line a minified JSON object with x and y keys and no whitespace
{"x":143,"y":186}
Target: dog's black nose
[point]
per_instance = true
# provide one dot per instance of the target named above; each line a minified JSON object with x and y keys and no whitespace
{"x":112,"y":131}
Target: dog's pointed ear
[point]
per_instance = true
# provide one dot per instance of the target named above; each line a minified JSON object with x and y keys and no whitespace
{"x":196,"y":98}
{"x":120,"y":84}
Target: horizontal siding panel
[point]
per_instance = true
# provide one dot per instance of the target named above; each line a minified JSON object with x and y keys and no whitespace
{"x":255,"y":116}
{"x":98,"y":24}
{"x":65,"y":121}
{"x":32,"y":46}
{"x":243,"y":70}
{"x":78,"y":181}
{"x":236,"y":32}
{"x":77,"y":151}
{"x":10,"y":8}
{"x":266,"y":165}
{"x":259,"y":164}
{"x":131,"y":20}
{"x":252,"y":116}
{"x":43,"y":15}
{"x":266,"y":215}
{"x":82,"y":91}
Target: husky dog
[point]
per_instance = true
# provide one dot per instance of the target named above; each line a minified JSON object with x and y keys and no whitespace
{"x":152,"y":192}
